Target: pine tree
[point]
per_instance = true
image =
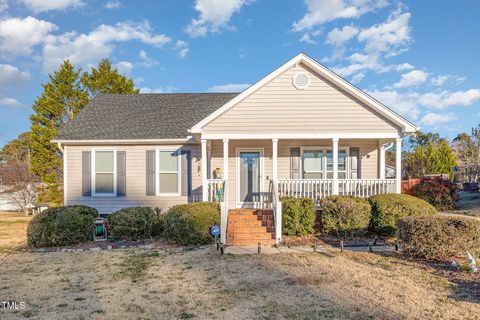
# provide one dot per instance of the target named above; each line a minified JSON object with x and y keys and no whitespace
{"x":104,"y":79}
{"x":61,"y":100}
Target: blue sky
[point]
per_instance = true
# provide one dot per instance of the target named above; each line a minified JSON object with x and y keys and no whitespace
{"x":420,"y":58}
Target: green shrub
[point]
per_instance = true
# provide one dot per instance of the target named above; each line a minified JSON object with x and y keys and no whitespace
{"x":442,"y":194}
{"x":439,"y":237}
{"x":190,"y":223}
{"x":134,"y":223}
{"x":298,"y":216}
{"x":345,"y":215}
{"x":62,"y":226}
{"x":388,"y":208}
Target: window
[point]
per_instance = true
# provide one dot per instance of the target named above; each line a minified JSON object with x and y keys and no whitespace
{"x":342,"y":164}
{"x":104,"y":172}
{"x":168,"y":172}
{"x":313,"y":164}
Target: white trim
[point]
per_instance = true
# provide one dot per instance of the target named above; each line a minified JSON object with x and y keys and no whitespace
{"x":65,"y":175}
{"x":406,"y":125}
{"x":204,"y":171}
{"x":93,"y":173}
{"x":398,"y":166}
{"x":124,"y":141}
{"x":275,"y":160}
{"x":286,"y":136}
{"x":178,"y":152}
{"x":237,"y":175}
{"x":335,"y":166}
{"x":381,"y":160}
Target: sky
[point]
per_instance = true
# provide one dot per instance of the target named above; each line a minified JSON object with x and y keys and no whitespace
{"x":420,"y":58}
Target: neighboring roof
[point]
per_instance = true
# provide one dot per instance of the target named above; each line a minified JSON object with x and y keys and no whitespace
{"x":142,"y":116}
{"x":407,"y":126}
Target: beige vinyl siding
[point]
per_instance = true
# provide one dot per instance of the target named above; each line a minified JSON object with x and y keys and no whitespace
{"x":368,"y":163}
{"x":135,"y":180}
{"x":280,"y":107}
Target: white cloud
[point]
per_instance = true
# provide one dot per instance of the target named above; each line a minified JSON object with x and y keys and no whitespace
{"x":444,"y":99}
{"x":124,"y":67}
{"x":322,"y":11}
{"x":307,"y":39}
{"x":361,"y":62}
{"x":89,"y":48}
{"x":147,"y":61}
{"x":19,"y":36}
{"x":214,"y":16}
{"x":389,"y":36}
{"x":338,"y":37}
{"x":182,"y":48}
{"x":11,"y":76}
{"x":231,"y":87}
{"x":357,"y":78}
{"x":434,"y":119}
{"x":113,"y":5}
{"x":412,"y":78}
{"x":439,"y":80}
{"x":167,"y":89}
{"x":405,"y":104}
{"x":11,"y":103}
{"x":47,"y":5}
{"x":404,"y":67}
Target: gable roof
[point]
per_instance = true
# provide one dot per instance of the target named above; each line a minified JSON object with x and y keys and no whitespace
{"x":142,"y":116}
{"x":405,"y":125}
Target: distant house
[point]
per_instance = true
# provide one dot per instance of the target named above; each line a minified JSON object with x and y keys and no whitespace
{"x":300,"y":131}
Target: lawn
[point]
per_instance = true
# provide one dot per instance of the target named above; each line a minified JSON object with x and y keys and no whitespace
{"x":174,"y":283}
{"x":468,"y":204}
{"x":13,"y":228}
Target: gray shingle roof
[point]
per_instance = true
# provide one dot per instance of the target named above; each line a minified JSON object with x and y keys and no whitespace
{"x":142,"y":116}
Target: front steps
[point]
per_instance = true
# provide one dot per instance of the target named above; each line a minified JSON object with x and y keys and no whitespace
{"x":249,"y":227}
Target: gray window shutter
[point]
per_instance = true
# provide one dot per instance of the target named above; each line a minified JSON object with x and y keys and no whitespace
{"x":186,"y":163}
{"x":121,"y":174}
{"x":355,"y":163}
{"x":86,"y":174}
{"x":295,"y":163}
{"x":150,"y":172}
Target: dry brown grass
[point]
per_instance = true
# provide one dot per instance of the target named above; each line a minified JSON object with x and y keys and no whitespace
{"x":177,"y":284}
{"x":13,"y":231}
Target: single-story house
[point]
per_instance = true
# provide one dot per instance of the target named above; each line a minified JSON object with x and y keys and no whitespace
{"x":300,"y":131}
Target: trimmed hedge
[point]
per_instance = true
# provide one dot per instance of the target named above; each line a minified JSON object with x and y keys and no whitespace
{"x":345,"y":215}
{"x":136,"y":223}
{"x":62,"y":226}
{"x":190,"y":223}
{"x":442,"y":194}
{"x":388,"y":208}
{"x":439,"y":237}
{"x":298,"y":216}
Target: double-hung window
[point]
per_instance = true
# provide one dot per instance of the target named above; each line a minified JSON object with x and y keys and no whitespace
{"x":104,"y":172}
{"x":342,"y":164}
{"x":313,"y":164}
{"x":168,"y":172}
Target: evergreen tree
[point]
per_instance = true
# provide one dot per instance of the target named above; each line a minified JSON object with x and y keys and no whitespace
{"x":17,"y":150}
{"x":104,"y":79}
{"x":61,"y":100}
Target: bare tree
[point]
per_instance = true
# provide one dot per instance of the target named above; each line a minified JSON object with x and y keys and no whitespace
{"x":467,"y":148}
{"x":23,"y":184}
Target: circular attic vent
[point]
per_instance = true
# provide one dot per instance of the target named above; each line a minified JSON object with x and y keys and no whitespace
{"x":301,"y":80}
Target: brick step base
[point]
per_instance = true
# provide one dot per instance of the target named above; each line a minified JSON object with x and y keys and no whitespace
{"x":249,"y":227}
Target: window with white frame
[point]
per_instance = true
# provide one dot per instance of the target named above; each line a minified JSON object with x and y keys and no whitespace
{"x":168,"y":172}
{"x":313,"y":164}
{"x":104,"y":172}
{"x":342,"y":164}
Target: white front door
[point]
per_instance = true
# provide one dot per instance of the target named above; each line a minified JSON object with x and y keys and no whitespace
{"x":249,"y":177}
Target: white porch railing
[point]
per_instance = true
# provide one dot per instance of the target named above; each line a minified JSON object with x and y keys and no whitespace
{"x":215,"y":189}
{"x":310,"y":188}
{"x":277,"y":212}
{"x":366,"y":187}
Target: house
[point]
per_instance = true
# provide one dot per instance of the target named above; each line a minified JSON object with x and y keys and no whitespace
{"x":300,"y":131}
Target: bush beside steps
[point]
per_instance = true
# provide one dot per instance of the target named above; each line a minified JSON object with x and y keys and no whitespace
{"x":439,"y":237}
{"x":299,"y":215}
{"x":62,"y":226}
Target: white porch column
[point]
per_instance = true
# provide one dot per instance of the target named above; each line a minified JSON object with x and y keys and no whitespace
{"x":224,"y":204}
{"x":398,"y":166}
{"x":335,"y":166}
{"x":274,"y":159}
{"x":381,"y":149}
{"x":204,"y":171}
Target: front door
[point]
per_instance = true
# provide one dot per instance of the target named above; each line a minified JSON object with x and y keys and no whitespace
{"x":249,"y":178}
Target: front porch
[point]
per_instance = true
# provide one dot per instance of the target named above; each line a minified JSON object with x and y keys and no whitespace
{"x":257,"y":173}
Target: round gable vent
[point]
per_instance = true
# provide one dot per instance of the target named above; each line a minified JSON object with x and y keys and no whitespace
{"x":301,"y":80}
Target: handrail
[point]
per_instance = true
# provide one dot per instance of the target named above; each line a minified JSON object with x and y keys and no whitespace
{"x":277,"y":212}
{"x":214,"y":186}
